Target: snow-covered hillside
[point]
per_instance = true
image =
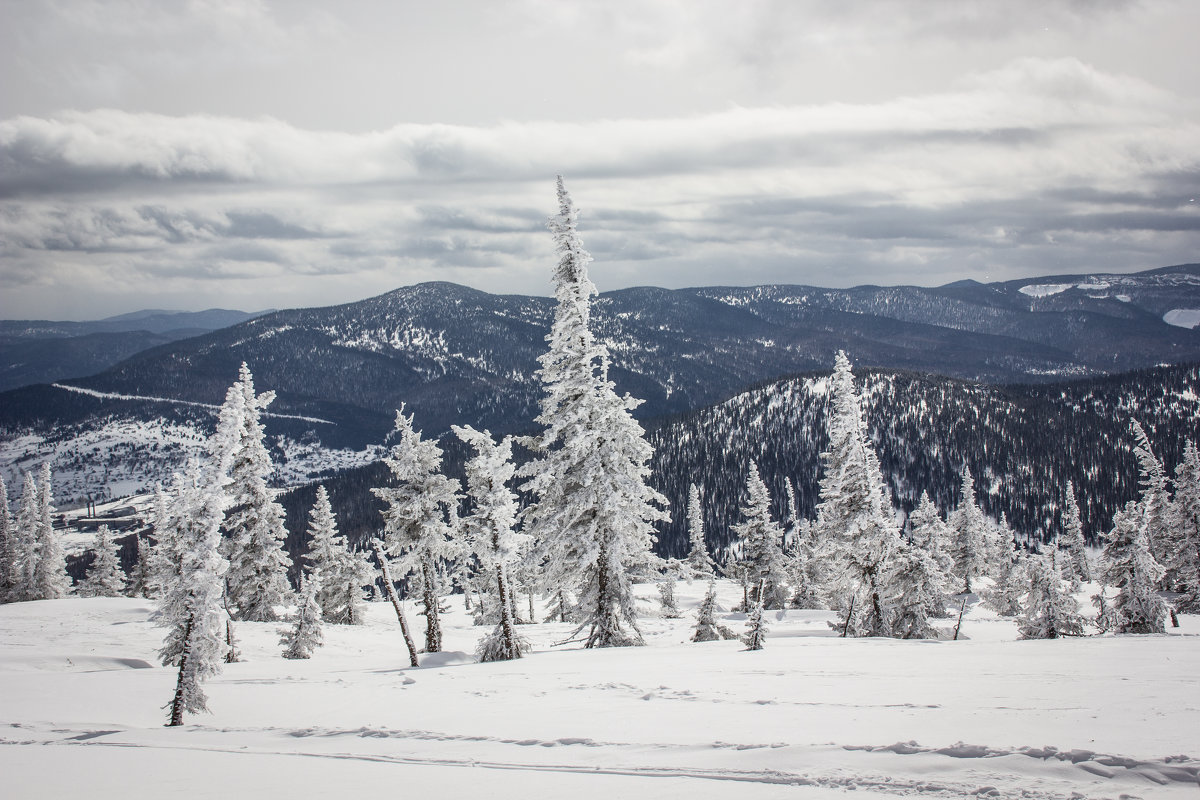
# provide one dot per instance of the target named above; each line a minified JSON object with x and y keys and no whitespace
{"x":811,"y":716}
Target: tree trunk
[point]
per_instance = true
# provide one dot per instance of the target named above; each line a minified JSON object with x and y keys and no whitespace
{"x":507,"y":626}
{"x":391,"y":593}
{"x":429,"y":598}
{"x":177,"y":702}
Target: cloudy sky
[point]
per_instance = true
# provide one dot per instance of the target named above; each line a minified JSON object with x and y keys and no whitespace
{"x":279,"y":153}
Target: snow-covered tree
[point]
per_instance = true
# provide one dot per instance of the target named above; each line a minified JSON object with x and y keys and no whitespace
{"x":928,"y":531}
{"x":1130,"y":568}
{"x":593,"y":511}
{"x":306,"y":635}
{"x":420,"y":519}
{"x":258,"y":563}
{"x":491,"y":527}
{"x":1050,"y":610}
{"x":855,"y":521}
{"x":141,"y":579}
{"x":761,"y":543}
{"x":1155,"y":502}
{"x":1183,"y":552}
{"x":756,"y":627}
{"x":104,"y":577}
{"x":24,"y":543}
{"x":666,"y":588}
{"x":1073,"y":546}
{"x":7,"y":545}
{"x":918,"y":592}
{"x":164,"y":556}
{"x":50,"y":578}
{"x":1012,"y":584}
{"x":341,"y":572}
{"x":191,"y":606}
{"x":707,"y":627}
{"x":803,"y":565}
{"x":699,"y":561}
{"x":969,"y":535}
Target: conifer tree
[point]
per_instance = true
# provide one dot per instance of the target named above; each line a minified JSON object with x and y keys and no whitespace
{"x":666,"y":588}
{"x":306,"y":635}
{"x":7,"y":546}
{"x":1050,"y":611}
{"x":593,"y":514}
{"x":104,"y":576}
{"x":917,"y":586}
{"x":1183,"y":552}
{"x":420,"y":519}
{"x":191,"y":606}
{"x":491,"y":527}
{"x":707,"y":628}
{"x":257,"y":578}
{"x":1130,"y":568}
{"x":854,"y":516}
{"x":803,"y":567}
{"x":164,"y":556}
{"x":1012,"y":584}
{"x":1073,"y":544}
{"x":969,"y":531}
{"x":929,"y":532}
{"x":141,"y":580}
{"x":761,"y":540}
{"x":51,"y":580}
{"x":756,"y":627}
{"x":25,"y":543}
{"x":341,"y":573}
{"x":1155,"y":503}
{"x":699,"y":561}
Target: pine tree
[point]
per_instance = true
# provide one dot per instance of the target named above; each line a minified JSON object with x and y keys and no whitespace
{"x":969,"y":532}
{"x":25,"y":543}
{"x":917,"y":586}
{"x":420,"y":519}
{"x":707,"y":628}
{"x":761,"y":540}
{"x":1183,"y":554}
{"x":756,"y":627}
{"x":491,"y":526}
{"x":1130,"y":568}
{"x":104,"y":576}
{"x":803,"y":567}
{"x":666,"y":588}
{"x":854,"y":516}
{"x":592,"y":519}
{"x":191,"y":606}
{"x":1050,"y":611}
{"x":165,"y":555}
{"x":1012,"y":584}
{"x":1155,"y":504}
{"x":306,"y":635}
{"x":7,"y":546}
{"x":929,"y":532}
{"x":700,"y":563}
{"x":51,"y":580}
{"x":257,"y":579}
{"x":341,"y":572}
{"x":141,"y":580}
{"x":1074,"y":546}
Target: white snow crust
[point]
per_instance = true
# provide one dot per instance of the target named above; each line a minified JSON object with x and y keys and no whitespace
{"x":811,"y":716}
{"x":1044,"y":289}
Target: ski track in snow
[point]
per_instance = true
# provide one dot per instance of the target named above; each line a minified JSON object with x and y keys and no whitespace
{"x":987,"y":782}
{"x":172,"y":401}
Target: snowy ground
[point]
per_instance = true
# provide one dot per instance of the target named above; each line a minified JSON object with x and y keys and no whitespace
{"x":811,"y":716}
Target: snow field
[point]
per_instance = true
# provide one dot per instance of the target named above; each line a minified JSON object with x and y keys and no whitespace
{"x":812,"y":715}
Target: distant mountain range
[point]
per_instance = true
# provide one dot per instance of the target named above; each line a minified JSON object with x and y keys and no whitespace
{"x":40,"y":351}
{"x":454,"y":355}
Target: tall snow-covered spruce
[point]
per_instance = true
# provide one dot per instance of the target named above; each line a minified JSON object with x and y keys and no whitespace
{"x":192,"y":607}
{"x":761,"y":544}
{"x":254,"y":530}
{"x":855,"y":520}
{"x":104,"y":576}
{"x":490,"y":527}
{"x":341,"y":572}
{"x":593,"y":513}
{"x":420,"y":519}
